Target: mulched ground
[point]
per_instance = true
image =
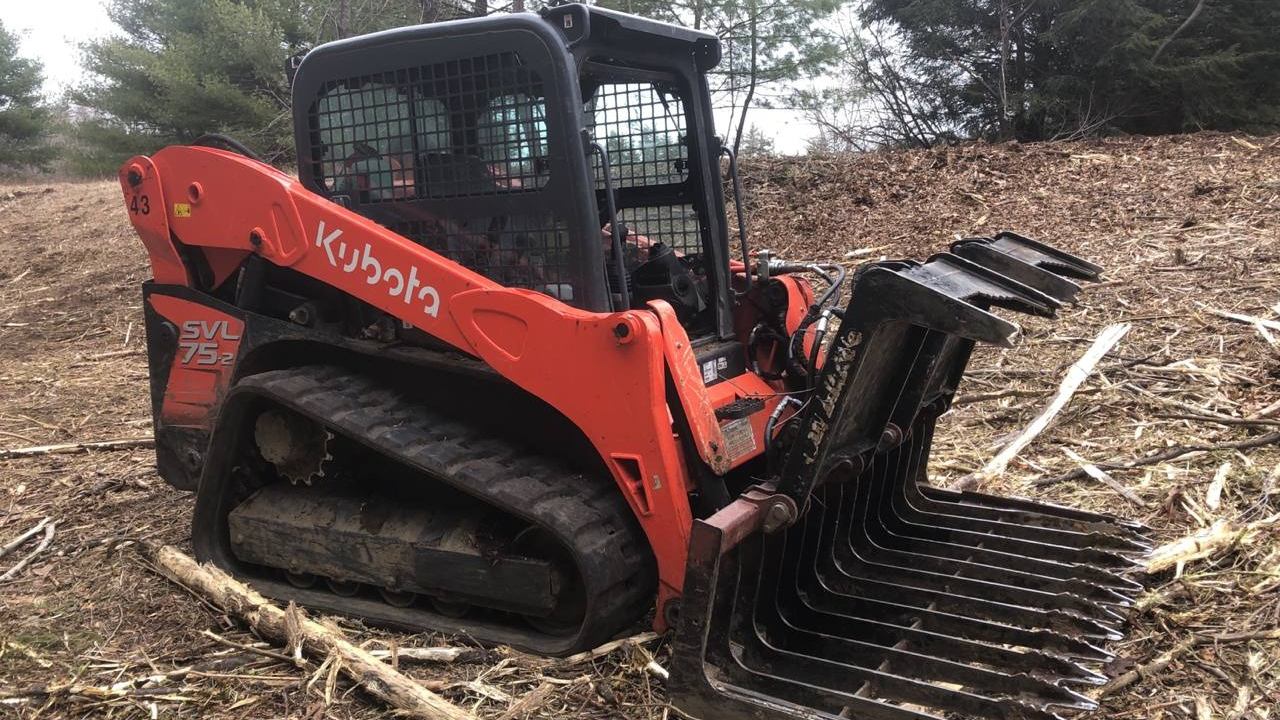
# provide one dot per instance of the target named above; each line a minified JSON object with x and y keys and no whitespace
{"x":1187,"y":227}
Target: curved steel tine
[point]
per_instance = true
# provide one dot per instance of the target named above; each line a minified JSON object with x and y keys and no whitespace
{"x":787,"y":565}
{"x":978,"y":250}
{"x":872,"y":546}
{"x":852,"y":579}
{"x":708,"y":679}
{"x":855,"y":664}
{"x":1105,"y":531}
{"x":1031,"y":510}
{"x":849,"y":555}
{"x":818,"y":597}
{"x":1051,"y":561}
{"x":1114,"y":545}
{"x":1045,"y":256}
{"x":909,"y":503}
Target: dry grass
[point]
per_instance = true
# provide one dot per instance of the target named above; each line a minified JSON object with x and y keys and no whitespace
{"x":1187,"y":227}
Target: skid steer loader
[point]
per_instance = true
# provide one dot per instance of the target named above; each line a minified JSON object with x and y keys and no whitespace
{"x":491,"y":365}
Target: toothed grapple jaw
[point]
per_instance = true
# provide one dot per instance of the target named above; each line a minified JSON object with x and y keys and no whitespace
{"x":890,"y":598}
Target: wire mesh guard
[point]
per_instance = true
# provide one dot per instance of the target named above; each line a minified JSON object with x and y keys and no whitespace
{"x":642,"y":126}
{"x":474,"y":126}
{"x":524,"y":251}
{"x":675,"y":225}
{"x":644,"y":130}
{"x":463,"y":128}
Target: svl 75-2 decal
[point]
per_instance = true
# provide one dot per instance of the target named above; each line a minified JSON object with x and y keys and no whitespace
{"x":207,"y":344}
{"x":200,"y":342}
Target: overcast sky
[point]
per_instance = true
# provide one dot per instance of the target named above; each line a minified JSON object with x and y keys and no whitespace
{"x":51,"y":31}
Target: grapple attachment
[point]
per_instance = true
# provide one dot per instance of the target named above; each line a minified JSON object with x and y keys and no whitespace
{"x":848,"y":587}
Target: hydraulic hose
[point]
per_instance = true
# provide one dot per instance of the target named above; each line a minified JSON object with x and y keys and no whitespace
{"x":820,"y":313}
{"x":228,"y":143}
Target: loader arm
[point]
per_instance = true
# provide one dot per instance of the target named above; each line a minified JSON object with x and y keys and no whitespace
{"x":604,"y":371}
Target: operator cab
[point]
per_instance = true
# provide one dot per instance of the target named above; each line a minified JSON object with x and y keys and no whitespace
{"x":480,"y":139}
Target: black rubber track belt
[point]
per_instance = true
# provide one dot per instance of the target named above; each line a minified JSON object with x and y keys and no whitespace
{"x":586,"y":514}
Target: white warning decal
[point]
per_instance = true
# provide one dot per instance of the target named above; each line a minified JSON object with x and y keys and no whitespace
{"x":712,"y":369}
{"x":739,"y":438}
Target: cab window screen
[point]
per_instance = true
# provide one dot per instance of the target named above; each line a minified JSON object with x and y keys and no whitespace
{"x":642,"y":126}
{"x":459,"y":128}
{"x":512,"y":134}
{"x":474,"y":126}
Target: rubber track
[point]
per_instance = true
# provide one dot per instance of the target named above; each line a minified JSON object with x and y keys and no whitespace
{"x":586,"y":514}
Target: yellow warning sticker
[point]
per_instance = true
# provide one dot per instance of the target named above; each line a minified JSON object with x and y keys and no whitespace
{"x":181,"y":210}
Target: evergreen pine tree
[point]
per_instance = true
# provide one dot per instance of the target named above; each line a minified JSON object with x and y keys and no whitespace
{"x":1039,"y":69}
{"x":24,"y":119}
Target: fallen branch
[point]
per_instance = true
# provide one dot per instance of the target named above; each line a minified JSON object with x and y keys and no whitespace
{"x":1269,"y":570}
{"x":1164,"y":659}
{"x":1161,"y":662}
{"x":151,"y":686}
{"x":1218,"y":419}
{"x":1267,"y":411}
{"x":1213,"y":496}
{"x":1247,"y":319}
{"x":1105,"y":479}
{"x":1172,"y":453}
{"x":44,"y":544}
{"x":79,"y":447}
{"x":984,"y":397}
{"x":248,"y":648}
{"x":1075,"y":377}
{"x":1216,"y":538}
{"x":17,"y":542}
{"x":404,"y":694}
{"x":441,"y":655}
{"x":529,"y":702}
{"x":609,"y":647}
{"x":116,"y":354}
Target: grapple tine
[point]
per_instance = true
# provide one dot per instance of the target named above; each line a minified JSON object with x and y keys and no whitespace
{"x":725,"y":624}
{"x":1113,"y":545}
{"x":1035,"y":512}
{"x":938,"y":537}
{"x":789,"y":565}
{"x":708,"y":677}
{"x":908,"y":653}
{"x":1045,"y":256}
{"x":850,"y":559}
{"x":980,"y":251}
{"x":1004,"y":625}
{"x":868,"y":536}
{"x":1061,"y":622}
{"x":982,"y":287}
{"x":909,"y":503}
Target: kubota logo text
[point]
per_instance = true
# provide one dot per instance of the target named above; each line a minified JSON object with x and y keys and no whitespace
{"x":362,"y":263}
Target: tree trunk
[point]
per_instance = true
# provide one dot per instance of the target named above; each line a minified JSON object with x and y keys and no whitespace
{"x":1194,"y":14}
{"x":430,"y":12}
{"x":342,"y":20}
{"x":1003,"y":90}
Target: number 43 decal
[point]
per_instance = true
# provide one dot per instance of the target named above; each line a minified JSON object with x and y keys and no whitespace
{"x":141,"y":205}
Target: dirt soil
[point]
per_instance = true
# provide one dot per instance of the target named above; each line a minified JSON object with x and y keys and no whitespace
{"x":1187,"y":227}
